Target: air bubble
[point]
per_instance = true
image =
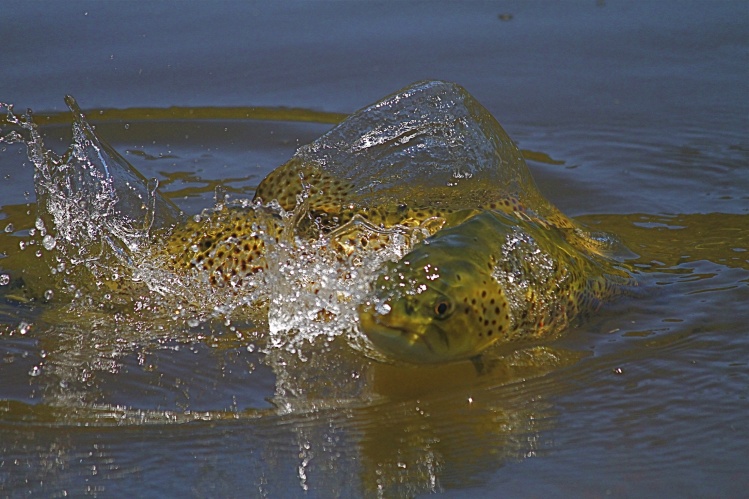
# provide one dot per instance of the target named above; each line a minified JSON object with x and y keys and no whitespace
{"x":4,"y":279}
{"x":24,"y":327}
{"x":9,"y":228}
{"x":49,"y":294}
{"x":35,"y":371}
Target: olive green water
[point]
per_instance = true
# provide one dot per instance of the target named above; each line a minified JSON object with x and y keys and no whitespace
{"x":634,"y":120}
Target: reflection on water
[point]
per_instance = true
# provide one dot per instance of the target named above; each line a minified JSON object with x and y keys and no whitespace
{"x":90,"y":397}
{"x":666,"y":241}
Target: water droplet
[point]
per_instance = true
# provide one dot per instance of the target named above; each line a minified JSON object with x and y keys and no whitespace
{"x":127,"y":126}
{"x":4,"y":279}
{"x":382,"y":308}
{"x":35,"y":371}
{"x":193,"y":322}
{"x":24,"y":327}
{"x":39,"y":224}
{"x":49,"y":294}
{"x":49,"y":242}
{"x":9,"y":228}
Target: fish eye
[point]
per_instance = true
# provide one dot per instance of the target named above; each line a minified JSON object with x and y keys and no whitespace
{"x":442,"y":309}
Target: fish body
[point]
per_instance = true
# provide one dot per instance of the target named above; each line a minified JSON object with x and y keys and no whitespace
{"x":229,"y":243}
{"x":499,"y":265}
{"x":494,"y":279}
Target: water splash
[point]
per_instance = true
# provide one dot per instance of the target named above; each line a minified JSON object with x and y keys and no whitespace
{"x":101,"y":224}
{"x":312,"y":291}
{"x":91,"y":206}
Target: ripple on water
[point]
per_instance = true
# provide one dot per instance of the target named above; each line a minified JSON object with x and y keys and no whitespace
{"x":318,"y":412}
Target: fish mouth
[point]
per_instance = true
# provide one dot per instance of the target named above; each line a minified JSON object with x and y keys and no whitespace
{"x":399,"y":341}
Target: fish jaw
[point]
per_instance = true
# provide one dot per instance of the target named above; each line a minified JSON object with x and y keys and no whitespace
{"x":404,"y":342}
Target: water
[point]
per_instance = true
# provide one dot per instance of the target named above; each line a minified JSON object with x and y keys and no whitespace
{"x":643,"y":109}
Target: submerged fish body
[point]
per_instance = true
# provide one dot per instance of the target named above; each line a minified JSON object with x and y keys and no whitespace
{"x":494,"y":279}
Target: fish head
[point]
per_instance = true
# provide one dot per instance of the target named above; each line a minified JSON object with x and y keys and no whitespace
{"x":437,"y":304}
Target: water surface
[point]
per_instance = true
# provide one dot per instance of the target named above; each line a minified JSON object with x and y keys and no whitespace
{"x":643,"y":111}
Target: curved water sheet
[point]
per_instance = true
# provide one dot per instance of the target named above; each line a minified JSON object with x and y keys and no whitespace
{"x":138,"y":345}
{"x":430,"y":144}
